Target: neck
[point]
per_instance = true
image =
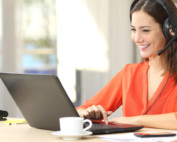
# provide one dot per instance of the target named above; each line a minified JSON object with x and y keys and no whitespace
{"x":156,"y":65}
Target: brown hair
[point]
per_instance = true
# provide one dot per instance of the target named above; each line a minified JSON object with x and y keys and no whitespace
{"x":158,"y":12}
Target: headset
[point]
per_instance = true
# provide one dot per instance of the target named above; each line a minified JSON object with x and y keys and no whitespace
{"x":169,"y":26}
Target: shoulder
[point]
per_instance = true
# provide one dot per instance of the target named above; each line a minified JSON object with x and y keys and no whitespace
{"x":136,"y":66}
{"x":136,"y":70}
{"x":131,"y":70}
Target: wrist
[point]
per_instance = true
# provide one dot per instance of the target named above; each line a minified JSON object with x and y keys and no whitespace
{"x":139,"y":120}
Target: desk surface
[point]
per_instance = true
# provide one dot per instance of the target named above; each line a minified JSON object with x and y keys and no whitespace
{"x":25,"y":133}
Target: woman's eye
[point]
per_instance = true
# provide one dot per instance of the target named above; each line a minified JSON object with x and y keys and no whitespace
{"x":133,"y":29}
{"x":146,"y":31}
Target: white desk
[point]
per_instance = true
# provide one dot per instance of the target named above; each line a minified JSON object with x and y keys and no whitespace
{"x":25,"y":133}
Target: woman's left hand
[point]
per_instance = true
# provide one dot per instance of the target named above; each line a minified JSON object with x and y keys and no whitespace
{"x":126,"y":120}
{"x":162,"y":121}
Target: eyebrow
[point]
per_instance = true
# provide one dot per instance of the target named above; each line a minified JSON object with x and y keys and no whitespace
{"x":141,"y":27}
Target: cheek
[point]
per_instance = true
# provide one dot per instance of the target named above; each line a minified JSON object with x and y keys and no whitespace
{"x":159,"y":38}
{"x":160,"y":41}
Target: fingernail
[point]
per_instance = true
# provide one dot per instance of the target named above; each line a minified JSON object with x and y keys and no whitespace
{"x":106,"y":122}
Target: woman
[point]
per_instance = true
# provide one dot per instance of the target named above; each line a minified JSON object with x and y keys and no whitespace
{"x":147,"y":91}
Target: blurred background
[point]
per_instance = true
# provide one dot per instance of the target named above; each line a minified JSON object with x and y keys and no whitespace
{"x":84,"y":42}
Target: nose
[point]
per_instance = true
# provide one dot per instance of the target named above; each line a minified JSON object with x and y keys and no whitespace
{"x":138,"y":38}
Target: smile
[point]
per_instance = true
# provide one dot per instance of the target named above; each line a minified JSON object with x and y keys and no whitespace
{"x":144,"y":46}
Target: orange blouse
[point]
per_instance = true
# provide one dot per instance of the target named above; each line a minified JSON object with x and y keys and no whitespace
{"x":129,"y":88}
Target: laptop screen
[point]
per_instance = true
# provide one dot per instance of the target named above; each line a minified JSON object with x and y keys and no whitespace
{"x":41,"y":99}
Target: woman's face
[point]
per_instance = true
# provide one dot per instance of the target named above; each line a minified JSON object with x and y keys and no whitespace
{"x":147,"y":34}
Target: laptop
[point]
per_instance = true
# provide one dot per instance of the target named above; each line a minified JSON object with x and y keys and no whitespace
{"x":43,"y":100}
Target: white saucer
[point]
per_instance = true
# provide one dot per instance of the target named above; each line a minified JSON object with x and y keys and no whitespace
{"x":72,"y":136}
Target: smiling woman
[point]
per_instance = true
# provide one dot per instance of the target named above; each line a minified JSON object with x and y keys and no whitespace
{"x":147,"y":91}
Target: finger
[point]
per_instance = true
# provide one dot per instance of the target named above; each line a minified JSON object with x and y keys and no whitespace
{"x":86,"y":114}
{"x":109,"y":113}
{"x":104,"y":113}
{"x":91,"y":112}
{"x":97,"y":112}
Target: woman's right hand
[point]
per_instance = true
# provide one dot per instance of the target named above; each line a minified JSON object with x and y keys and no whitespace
{"x":94,"y":112}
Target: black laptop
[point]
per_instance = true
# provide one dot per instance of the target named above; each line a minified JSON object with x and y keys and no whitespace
{"x":43,"y":100}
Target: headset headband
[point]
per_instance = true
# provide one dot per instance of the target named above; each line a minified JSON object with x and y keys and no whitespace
{"x":171,"y":13}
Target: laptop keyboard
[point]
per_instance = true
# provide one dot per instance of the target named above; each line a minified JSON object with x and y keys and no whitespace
{"x":102,"y":128}
{"x":98,"y":128}
{"x":102,"y":125}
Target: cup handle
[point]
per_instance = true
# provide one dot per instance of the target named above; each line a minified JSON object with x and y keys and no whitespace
{"x":89,"y":126}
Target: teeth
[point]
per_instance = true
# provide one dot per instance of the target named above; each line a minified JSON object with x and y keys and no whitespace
{"x":143,"y":46}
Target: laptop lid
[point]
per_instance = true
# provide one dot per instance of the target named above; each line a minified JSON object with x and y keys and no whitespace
{"x":41,"y":99}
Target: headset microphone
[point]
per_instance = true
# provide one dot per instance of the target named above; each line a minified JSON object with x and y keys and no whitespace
{"x":168,"y":44}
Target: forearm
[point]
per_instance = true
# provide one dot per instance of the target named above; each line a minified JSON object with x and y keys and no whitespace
{"x":164,"y":121}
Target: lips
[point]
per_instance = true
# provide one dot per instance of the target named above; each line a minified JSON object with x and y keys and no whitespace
{"x":144,"y":46}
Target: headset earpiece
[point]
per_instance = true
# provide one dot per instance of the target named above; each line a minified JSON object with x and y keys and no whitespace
{"x":167,"y":29}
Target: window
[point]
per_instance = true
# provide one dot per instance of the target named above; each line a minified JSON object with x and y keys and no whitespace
{"x":39,"y":36}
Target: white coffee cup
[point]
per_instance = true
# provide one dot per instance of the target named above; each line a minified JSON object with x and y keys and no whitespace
{"x":73,"y":125}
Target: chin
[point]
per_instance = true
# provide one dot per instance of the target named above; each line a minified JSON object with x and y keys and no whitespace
{"x":144,"y":56}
